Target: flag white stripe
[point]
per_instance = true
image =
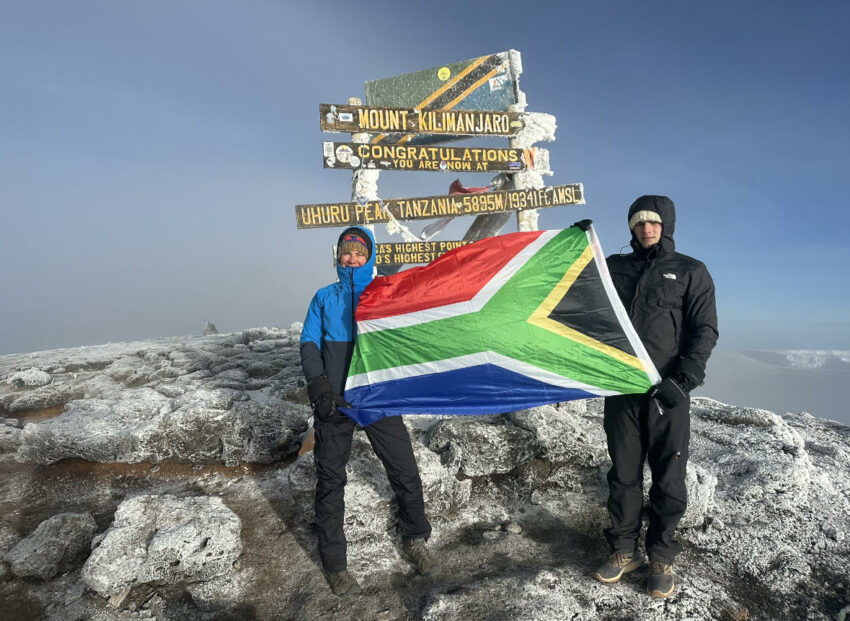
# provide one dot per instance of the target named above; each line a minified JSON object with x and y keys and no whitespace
{"x":472,"y":360}
{"x":467,"y":306}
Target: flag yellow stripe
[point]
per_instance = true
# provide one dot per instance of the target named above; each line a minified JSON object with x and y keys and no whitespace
{"x":471,"y":67}
{"x":540,"y":317}
{"x":475,"y":85}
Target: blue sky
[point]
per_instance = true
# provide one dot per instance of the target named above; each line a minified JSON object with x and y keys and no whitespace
{"x":151,"y":153}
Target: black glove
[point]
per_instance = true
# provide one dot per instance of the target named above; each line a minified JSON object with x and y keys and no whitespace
{"x":668,"y":393}
{"x":323,"y":398}
{"x":583,"y":224}
{"x":688,"y":374}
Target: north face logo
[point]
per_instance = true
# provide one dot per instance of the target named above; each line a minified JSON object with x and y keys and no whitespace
{"x":670,"y":276}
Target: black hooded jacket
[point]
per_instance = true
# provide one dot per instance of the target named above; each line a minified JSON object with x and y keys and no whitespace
{"x":670,"y":299}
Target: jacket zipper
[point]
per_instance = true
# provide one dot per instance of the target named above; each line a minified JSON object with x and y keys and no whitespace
{"x":353,"y":322}
{"x":638,"y":287}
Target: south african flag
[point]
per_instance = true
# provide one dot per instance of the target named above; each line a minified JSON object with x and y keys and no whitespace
{"x":500,"y":325}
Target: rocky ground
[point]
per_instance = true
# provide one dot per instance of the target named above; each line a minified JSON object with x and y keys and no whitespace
{"x":159,"y":480}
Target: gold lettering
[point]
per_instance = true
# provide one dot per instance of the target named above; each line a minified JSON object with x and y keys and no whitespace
{"x":373,"y":119}
{"x":469,"y":123}
{"x":449,"y":122}
{"x":498,"y":126}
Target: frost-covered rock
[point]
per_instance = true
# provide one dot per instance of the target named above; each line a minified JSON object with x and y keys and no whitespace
{"x":517,"y":501}
{"x":53,"y":546}
{"x":217,"y":398}
{"x":49,"y":396}
{"x":483,"y":445}
{"x":701,"y":485}
{"x":565,"y":432}
{"x":30,"y":377}
{"x":200,"y":426}
{"x":221,"y":593}
{"x":10,"y":438}
{"x":755,"y":452}
{"x":8,"y":538}
{"x":163,"y":539}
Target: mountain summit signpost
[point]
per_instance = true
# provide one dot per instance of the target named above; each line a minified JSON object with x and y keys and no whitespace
{"x":401,"y":128}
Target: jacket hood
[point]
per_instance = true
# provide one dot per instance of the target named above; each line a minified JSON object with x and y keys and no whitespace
{"x":363,"y":274}
{"x":664,"y":207}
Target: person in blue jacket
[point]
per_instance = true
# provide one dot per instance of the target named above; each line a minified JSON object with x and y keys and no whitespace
{"x":327,"y":343}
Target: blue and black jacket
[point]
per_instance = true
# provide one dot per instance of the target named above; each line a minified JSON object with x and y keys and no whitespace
{"x":327,"y":339}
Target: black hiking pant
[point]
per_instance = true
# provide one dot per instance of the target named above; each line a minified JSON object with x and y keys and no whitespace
{"x":637,"y":431}
{"x":391,"y":443}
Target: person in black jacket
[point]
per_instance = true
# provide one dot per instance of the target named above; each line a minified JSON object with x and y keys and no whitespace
{"x":670,"y":300}
{"x":327,"y":344}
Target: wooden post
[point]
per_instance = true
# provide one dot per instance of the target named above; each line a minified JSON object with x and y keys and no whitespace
{"x":364,"y":182}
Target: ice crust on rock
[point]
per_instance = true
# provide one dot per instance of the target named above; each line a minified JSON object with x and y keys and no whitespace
{"x":483,"y":445}
{"x":220,"y":398}
{"x":30,"y":378}
{"x":53,"y":546}
{"x":163,"y":539}
{"x":765,"y":532}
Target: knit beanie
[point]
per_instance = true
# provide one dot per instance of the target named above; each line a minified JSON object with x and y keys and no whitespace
{"x":643,"y":216}
{"x":352,"y":242}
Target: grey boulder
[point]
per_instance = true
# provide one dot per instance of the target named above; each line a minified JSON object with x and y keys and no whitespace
{"x":164,"y":539}
{"x":53,"y":546}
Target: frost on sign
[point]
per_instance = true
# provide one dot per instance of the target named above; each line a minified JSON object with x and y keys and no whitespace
{"x":484,"y":83}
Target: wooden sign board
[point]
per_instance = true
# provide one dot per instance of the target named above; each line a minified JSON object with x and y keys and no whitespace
{"x":423,"y":208}
{"x":414,"y":252}
{"x":352,"y":155}
{"x":484,"y":83}
{"x":376,"y":120}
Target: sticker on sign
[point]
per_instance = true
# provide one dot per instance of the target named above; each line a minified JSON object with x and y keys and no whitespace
{"x":499,"y":82}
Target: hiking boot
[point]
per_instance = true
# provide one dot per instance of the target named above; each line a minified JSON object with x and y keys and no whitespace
{"x":342,"y":583}
{"x":617,"y":565}
{"x":660,"y":582}
{"x":417,"y":552}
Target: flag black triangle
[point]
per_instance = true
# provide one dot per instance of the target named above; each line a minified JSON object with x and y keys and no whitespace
{"x":585,"y":308}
